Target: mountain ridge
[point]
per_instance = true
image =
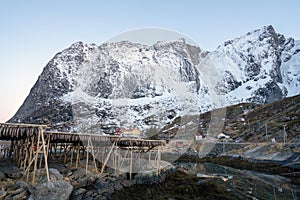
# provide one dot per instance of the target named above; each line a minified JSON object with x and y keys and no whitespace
{"x":82,"y":84}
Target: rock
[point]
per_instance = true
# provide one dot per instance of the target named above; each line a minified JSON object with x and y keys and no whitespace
{"x":13,"y":172}
{"x":107,"y":195}
{"x":127,"y":183}
{"x":146,"y":179}
{"x":100,"y":197}
{"x":55,"y":175}
{"x":61,"y":168}
{"x":78,"y":173}
{"x":21,"y":184}
{"x":88,"y":194}
{"x":18,"y":194}
{"x":143,"y":180}
{"x":101,"y":176}
{"x":2,"y":176}
{"x":78,"y":194}
{"x":83,"y":181}
{"x":79,"y":197}
{"x":2,"y":194}
{"x":283,"y":119}
{"x":51,"y":191}
{"x":102,"y":186}
{"x":296,"y":127}
{"x":79,"y":178}
{"x":99,"y":183}
{"x":10,"y":170}
{"x":110,"y":188}
{"x":118,"y":185}
{"x":78,"y":191}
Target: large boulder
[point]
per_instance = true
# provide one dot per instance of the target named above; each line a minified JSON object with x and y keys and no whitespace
{"x":80,"y":178}
{"x":54,"y":175}
{"x":11,"y":171}
{"x":51,"y":191}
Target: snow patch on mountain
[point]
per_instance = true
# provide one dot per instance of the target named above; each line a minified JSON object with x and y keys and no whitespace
{"x":290,"y":68}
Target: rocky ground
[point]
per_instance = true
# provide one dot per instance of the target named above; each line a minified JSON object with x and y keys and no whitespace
{"x":272,"y":167}
{"x":251,"y":179}
{"x":68,"y":183}
{"x":172,"y":183}
{"x":76,"y":184}
{"x":177,"y":186}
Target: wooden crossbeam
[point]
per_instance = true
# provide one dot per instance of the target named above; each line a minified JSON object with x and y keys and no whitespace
{"x":22,"y":125}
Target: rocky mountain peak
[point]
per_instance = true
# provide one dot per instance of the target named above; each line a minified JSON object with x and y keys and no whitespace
{"x":247,"y":59}
{"x":160,"y":82}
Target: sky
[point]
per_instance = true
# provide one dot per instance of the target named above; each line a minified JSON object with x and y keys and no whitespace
{"x":33,"y":31}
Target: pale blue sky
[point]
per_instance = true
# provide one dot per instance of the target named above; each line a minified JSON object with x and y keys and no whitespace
{"x":32,"y":32}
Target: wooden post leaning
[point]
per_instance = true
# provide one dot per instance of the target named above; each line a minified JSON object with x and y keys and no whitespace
{"x":45,"y":151}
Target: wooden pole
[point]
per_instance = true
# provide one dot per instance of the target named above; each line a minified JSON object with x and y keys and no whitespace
{"x":156,"y":160}
{"x":55,"y":148}
{"x":45,"y":152}
{"x":119,"y":161}
{"x":104,"y":152}
{"x":65,"y":152}
{"x":16,"y":152}
{"x":159,"y":158}
{"x":87,"y":156}
{"x":49,"y":149}
{"x":116,"y":160}
{"x":125,"y":157}
{"x":41,"y":159}
{"x":30,"y":157}
{"x":26,"y":149}
{"x":33,"y":159}
{"x":72,"y":151}
{"x":106,"y":160}
{"x":36,"y":157}
{"x":94,"y":158}
{"x":12,"y":144}
{"x":113,"y":160}
{"x":130,"y":167}
{"x":139,"y":157}
{"x":25,"y":159}
{"x":21,"y":151}
{"x":77,"y":154}
{"x":60,"y":155}
{"x":97,"y":152}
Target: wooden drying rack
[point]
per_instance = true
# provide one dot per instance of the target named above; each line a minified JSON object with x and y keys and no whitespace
{"x":31,"y":143}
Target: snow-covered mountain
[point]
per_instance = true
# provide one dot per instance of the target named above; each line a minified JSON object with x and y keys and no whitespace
{"x":123,"y":84}
{"x":261,"y":66}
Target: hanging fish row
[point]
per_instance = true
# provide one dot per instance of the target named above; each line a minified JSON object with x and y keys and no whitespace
{"x":23,"y":131}
{"x":139,"y":143}
{"x":8,"y":132}
{"x":62,"y":138}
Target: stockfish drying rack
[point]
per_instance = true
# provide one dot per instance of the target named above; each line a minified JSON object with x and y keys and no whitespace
{"x":32,"y":143}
